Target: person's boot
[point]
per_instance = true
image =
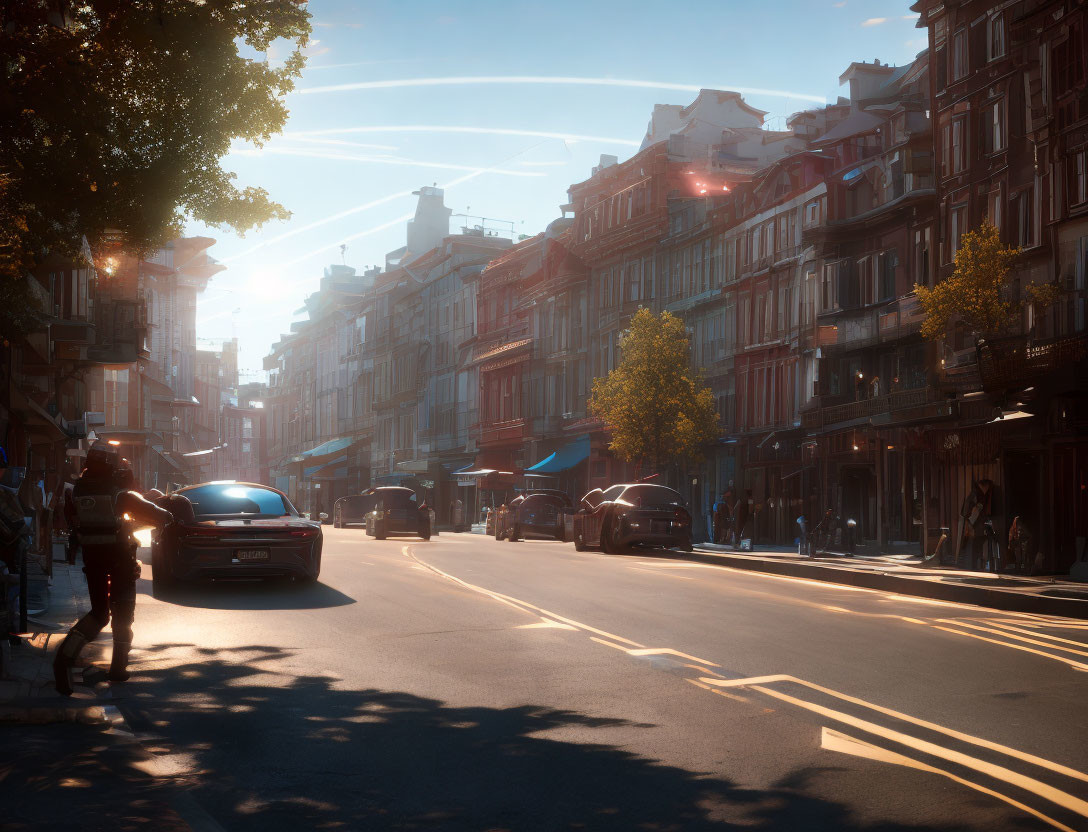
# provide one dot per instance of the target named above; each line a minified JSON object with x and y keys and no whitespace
{"x":84,"y":631}
{"x":119,"y":665}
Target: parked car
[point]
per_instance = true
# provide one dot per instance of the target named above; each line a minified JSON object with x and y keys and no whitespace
{"x":397,"y":510}
{"x":352,"y":510}
{"x":632,"y":514}
{"x":233,"y":529}
{"x":539,"y":513}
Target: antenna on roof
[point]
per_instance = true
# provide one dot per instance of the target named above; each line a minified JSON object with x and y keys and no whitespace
{"x":343,"y":248}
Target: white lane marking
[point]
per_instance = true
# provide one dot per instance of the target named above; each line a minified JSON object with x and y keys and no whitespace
{"x":844,"y":744}
{"x":524,"y":606}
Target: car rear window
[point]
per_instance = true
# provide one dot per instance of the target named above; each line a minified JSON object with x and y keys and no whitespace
{"x":397,"y":499}
{"x":357,"y":505}
{"x":228,"y":498}
{"x":652,"y":496}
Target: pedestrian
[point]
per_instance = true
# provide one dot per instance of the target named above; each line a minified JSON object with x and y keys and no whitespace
{"x":976,"y":512}
{"x":742,"y":519}
{"x":721,"y":519}
{"x":1021,"y":551}
{"x":825,"y":530}
{"x":104,"y":502}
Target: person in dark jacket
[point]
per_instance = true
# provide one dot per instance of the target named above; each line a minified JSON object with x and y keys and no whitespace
{"x":108,"y":511}
{"x":742,"y":516}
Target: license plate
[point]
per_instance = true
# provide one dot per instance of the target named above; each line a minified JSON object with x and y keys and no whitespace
{"x":251,"y":554}
{"x":660,"y":526}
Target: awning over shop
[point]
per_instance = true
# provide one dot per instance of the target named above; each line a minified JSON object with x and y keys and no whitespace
{"x":332,"y":471}
{"x":333,"y":446}
{"x":564,"y":459}
{"x":328,"y":464}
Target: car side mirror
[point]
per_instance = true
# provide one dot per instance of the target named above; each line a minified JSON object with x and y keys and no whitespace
{"x":323,"y":516}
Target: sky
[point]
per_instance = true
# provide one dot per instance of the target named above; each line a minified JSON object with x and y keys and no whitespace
{"x":505,"y":105}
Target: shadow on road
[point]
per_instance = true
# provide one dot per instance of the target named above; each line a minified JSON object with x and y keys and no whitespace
{"x":272,"y":750}
{"x":268,"y":594}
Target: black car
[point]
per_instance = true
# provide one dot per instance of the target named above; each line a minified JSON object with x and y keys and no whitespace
{"x":397,"y":510}
{"x":233,"y":529}
{"x":636,"y":513}
{"x":352,"y":510}
{"x":539,"y":514}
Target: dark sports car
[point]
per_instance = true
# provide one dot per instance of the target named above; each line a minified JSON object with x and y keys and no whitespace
{"x":633,"y":514}
{"x":233,"y":529}
{"x":539,"y":514}
{"x":352,"y":510}
{"x":397,"y":510}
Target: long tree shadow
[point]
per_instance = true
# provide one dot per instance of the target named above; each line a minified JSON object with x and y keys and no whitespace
{"x":272,"y":750}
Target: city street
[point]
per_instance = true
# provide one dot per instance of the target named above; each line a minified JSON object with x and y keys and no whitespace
{"x":464,"y":683}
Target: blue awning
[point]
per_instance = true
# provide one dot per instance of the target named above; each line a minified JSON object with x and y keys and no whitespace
{"x":325,"y":448}
{"x":309,"y":472}
{"x":564,"y":459}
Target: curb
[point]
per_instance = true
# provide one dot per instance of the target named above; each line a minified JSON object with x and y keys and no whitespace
{"x":1000,"y":599}
{"x":33,"y":712}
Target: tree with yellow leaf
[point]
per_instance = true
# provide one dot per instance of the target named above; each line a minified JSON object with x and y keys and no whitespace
{"x":975,"y":292}
{"x":654,"y":405}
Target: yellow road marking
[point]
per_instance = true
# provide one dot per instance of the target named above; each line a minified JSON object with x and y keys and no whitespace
{"x":545,"y":623}
{"x":1070,"y":662}
{"x":1038,"y":635}
{"x":844,"y":744}
{"x":1041,"y":762}
{"x":1044,"y":790}
{"x":724,"y":693}
{"x":668,"y":651}
{"x":608,"y":643}
{"x":1001,"y":632}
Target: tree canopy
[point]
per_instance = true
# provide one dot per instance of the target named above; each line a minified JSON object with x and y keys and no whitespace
{"x":976,"y":291}
{"x":114,"y":115}
{"x":653,"y":404}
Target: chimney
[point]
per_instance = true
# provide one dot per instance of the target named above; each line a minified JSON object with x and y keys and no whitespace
{"x":432,"y":221}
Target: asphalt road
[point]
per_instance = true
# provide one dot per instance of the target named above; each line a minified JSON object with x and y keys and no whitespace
{"x":463,"y":683}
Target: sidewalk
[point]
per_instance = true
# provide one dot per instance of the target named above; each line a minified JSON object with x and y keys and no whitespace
{"x":904,"y":574}
{"x":27,"y":694}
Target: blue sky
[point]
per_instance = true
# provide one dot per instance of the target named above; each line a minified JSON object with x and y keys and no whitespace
{"x":347,"y":176}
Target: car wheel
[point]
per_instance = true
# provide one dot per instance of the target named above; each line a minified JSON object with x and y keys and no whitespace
{"x":379,"y":532}
{"x":579,"y":542}
{"x":606,"y":542}
{"x":515,"y":533}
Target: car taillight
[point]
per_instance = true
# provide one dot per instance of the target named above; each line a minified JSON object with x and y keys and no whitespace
{"x":680,"y":517}
{"x":304,"y":533}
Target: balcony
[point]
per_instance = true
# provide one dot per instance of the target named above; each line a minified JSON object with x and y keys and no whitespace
{"x":887,"y":406}
{"x":510,"y":430}
{"x":1017,"y":361}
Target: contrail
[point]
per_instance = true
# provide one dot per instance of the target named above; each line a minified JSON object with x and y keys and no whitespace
{"x":340,"y":142}
{"x":465,"y":80}
{"x":366,"y":206}
{"x":442,"y":128}
{"x":375,"y":229}
{"x":383,"y":160}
